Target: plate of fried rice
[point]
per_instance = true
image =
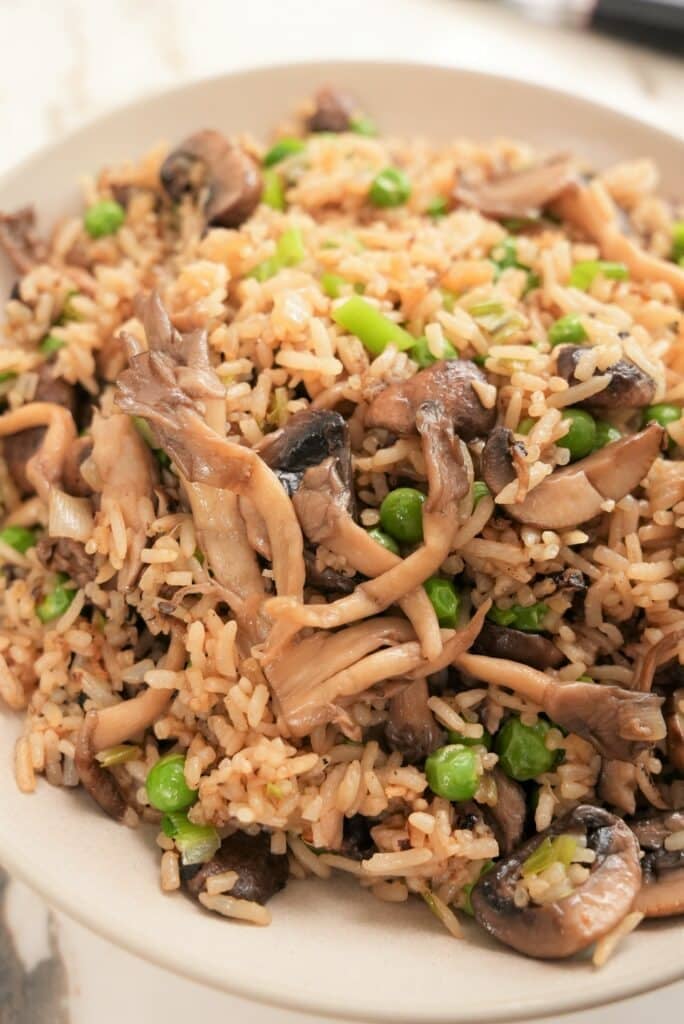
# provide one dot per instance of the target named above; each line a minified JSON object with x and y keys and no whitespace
{"x":342,"y":489}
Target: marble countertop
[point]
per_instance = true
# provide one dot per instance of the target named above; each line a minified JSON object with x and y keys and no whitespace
{"x":64,"y":63}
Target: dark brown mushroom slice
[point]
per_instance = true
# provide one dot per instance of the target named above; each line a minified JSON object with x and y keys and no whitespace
{"x":411,"y":727}
{"x":62,"y":554}
{"x":662,"y":892}
{"x":224,"y":177}
{"x":556,"y":930}
{"x":308,"y":439}
{"x":507,"y":816}
{"x":20,"y":240}
{"x":261,"y":873}
{"x":674,"y":719}
{"x":19,"y":448}
{"x":528,"y":648}
{"x":520,"y":194}
{"x":333,"y":112}
{"x":496,"y":460}
{"x":327,"y":580}
{"x":449,"y":383}
{"x":99,"y":783}
{"x":357,"y":840}
{"x":629,"y":387}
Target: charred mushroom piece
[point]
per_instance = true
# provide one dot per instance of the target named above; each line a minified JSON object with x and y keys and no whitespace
{"x":20,"y":240}
{"x":662,"y":892}
{"x":629,"y":386}
{"x":508,"y":814}
{"x":226,"y":180}
{"x":261,"y":874}
{"x":521,"y":193}
{"x":577,"y":493}
{"x":308,"y":439}
{"x":333,"y":112}
{"x":449,"y":383}
{"x":496,"y":461}
{"x":357,"y":841}
{"x":411,"y":727}
{"x":528,"y":648}
{"x":555,"y":930}
{"x":96,"y":780}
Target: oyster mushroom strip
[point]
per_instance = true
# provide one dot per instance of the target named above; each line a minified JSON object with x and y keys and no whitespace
{"x":324,"y":516}
{"x":591,"y":209}
{"x":123,"y":472}
{"x":116,"y":724}
{"x":618,"y":722}
{"x":411,"y":727}
{"x":44,"y":468}
{"x":573,"y":495}
{"x":449,"y":472}
{"x":163,"y":392}
{"x":312,"y":704}
{"x":658,"y":655}
{"x":222,"y":174}
{"x":522,"y":193}
{"x":662,"y":891}
{"x":561,"y":928}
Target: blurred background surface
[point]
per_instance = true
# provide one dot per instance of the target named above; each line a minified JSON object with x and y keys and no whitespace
{"x":67,"y":61}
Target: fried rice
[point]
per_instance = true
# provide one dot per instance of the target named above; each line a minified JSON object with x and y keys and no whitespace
{"x":197,"y":453}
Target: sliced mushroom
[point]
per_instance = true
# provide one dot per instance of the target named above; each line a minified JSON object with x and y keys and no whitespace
{"x":20,"y":240}
{"x":508,"y":814}
{"x":521,"y":193}
{"x":95,"y":779}
{"x":618,"y":785}
{"x":674,"y":717}
{"x":69,"y":556}
{"x":629,"y":386}
{"x":260,"y":873}
{"x":496,"y":461}
{"x":411,"y":727}
{"x":450,"y":384}
{"x":662,"y":892}
{"x":619,"y":723}
{"x":357,"y":841}
{"x":308,"y":438}
{"x":528,"y":648}
{"x":333,"y":111}
{"x":577,"y":493}
{"x":555,"y":930}
{"x":225,"y":178}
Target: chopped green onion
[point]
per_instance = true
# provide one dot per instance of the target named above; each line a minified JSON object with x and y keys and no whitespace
{"x":421,"y":354}
{"x":568,"y":330}
{"x":120,"y":754}
{"x":437,"y":207}
{"x":332,"y":284}
{"x":479,"y":359}
{"x":483,"y":309}
{"x":18,"y":537}
{"x":390,"y":187}
{"x":376,"y":331}
{"x":529,"y":619}
{"x":467,"y":907}
{"x":195,"y":843}
{"x":559,"y":850}
{"x":104,"y":218}
{"x":282,"y":149}
{"x":480,"y":491}
{"x":362,"y":126}
{"x":69,"y":313}
{"x":273,"y":193}
{"x":289,"y":252}
{"x":583,"y":274}
{"x":505,"y":255}
{"x":678,"y":241}
{"x":448,"y":299}
{"x":56,"y":601}
{"x":277,"y":414}
{"x":274,"y":791}
{"x":51,"y":344}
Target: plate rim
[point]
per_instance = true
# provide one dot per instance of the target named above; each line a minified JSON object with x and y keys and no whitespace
{"x":285,"y":996}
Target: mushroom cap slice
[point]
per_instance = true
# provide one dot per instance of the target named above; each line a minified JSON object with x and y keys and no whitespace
{"x":662,"y":892}
{"x":560,"y":929}
{"x":521,"y":193}
{"x":629,"y":386}
{"x":576,"y":494}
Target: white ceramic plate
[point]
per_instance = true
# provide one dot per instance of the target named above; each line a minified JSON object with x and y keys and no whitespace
{"x":332,"y":950}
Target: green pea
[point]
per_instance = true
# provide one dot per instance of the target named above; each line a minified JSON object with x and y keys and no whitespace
{"x":583,"y":274}
{"x":453,"y":772}
{"x":273,"y":193}
{"x":605,"y":434}
{"x":390,"y":187}
{"x":18,"y":537}
{"x":467,"y":741}
{"x":529,"y":619}
{"x":166,"y":787}
{"x":663,"y":413}
{"x":437,"y":207}
{"x":56,"y":601}
{"x":480,"y":491}
{"x":401,"y":514}
{"x":384,"y":538}
{"x":104,"y":218}
{"x":421,"y":354}
{"x":445,"y":599}
{"x":363,"y":126}
{"x":51,"y":344}
{"x":580,"y":439}
{"x":282,"y":149}
{"x":525,"y":425}
{"x":569,"y":330}
{"x":678,"y":241}
{"x":522,"y":750}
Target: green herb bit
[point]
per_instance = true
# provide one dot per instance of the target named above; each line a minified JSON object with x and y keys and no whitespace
{"x":332,"y":284}
{"x":376,"y":331}
{"x":273,"y":192}
{"x":421,"y":354}
{"x":195,"y":843}
{"x":529,"y":619}
{"x":56,"y":601}
{"x":18,"y":537}
{"x":69,"y":312}
{"x":274,"y":791}
{"x":7,"y":376}
{"x":583,"y":274}
{"x":559,"y":850}
{"x":51,"y":343}
{"x":282,"y":149}
{"x":289,"y":252}
{"x":677,"y":254}
{"x":363,"y":126}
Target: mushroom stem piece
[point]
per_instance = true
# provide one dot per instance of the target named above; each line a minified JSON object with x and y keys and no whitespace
{"x":45,"y":467}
